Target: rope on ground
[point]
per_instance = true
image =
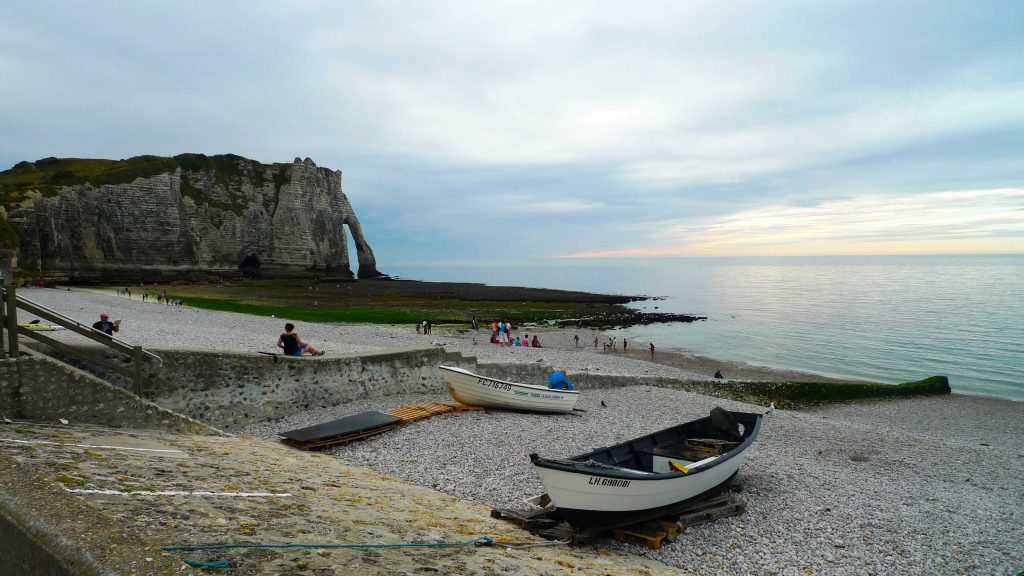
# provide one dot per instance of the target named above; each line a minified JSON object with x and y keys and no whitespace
{"x":481,"y":541}
{"x":520,"y":545}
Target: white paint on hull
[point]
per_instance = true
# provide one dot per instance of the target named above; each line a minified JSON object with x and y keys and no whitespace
{"x":476,"y":390}
{"x":600,"y":494}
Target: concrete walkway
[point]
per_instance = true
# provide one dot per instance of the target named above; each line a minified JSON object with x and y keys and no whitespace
{"x":105,"y":500}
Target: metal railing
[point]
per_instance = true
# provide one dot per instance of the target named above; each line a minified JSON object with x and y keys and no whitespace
{"x":12,"y":302}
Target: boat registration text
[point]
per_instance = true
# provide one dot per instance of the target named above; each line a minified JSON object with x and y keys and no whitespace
{"x":493,"y":384}
{"x":608,"y":482}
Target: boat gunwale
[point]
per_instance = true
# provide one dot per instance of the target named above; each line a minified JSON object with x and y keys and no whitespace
{"x":530,"y":386}
{"x":575,"y":465}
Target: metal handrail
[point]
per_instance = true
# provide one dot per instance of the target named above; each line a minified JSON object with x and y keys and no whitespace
{"x":84,"y":329}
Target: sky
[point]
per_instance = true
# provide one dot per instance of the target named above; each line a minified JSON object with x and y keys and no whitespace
{"x":478,"y":132}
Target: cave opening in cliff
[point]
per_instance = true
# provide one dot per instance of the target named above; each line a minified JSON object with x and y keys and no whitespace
{"x":250,"y":265}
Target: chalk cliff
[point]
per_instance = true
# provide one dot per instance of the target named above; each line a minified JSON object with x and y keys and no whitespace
{"x":189,"y":216}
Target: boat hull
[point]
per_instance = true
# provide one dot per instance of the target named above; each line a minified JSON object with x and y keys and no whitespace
{"x":597,"y":503}
{"x":592,"y":494}
{"x":476,"y":390}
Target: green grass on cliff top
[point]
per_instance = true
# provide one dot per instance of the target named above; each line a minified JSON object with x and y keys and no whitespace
{"x":47,"y":176}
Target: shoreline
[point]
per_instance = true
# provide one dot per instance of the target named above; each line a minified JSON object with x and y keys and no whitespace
{"x":157,"y":326}
{"x":853,"y":487}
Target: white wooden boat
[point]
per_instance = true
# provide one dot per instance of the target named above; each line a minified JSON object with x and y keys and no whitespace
{"x":647,"y":477}
{"x":477,"y":390}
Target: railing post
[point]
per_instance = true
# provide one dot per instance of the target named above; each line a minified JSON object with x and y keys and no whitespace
{"x":3,"y":323}
{"x":12,"y":318}
{"x":137,"y":368}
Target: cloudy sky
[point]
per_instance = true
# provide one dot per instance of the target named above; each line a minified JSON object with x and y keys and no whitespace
{"x":481,"y":131}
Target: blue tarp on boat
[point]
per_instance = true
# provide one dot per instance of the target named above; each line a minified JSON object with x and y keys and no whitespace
{"x":558,"y":381}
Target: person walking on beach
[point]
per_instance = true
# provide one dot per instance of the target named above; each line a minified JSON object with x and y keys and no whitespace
{"x":595,"y":342}
{"x":652,"y":350}
{"x":623,"y":344}
{"x":293,"y":345}
{"x":577,"y":339}
{"x":475,"y":327}
{"x":106,"y":326}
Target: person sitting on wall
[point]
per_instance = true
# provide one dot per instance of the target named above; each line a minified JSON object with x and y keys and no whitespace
{"x":293,"y":345}
{"x":106,"y":326}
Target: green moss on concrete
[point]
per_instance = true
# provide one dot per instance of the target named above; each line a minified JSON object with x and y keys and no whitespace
{"x":69,"y":480}
{"x":803,"y":394}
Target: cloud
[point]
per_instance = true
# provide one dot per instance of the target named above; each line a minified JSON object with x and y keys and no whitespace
{"x":957,"y":221}
{"x":573,"y":123}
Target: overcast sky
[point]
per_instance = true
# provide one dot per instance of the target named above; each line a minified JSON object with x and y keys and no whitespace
{"x":481,"y":131}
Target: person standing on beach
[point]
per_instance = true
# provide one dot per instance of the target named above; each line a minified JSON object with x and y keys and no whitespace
{"x":474,"y":325}
{"x":623,"y":344}
{"x":595,"y":342}
{"x":577,"y":339}
{"x":652,"y":350}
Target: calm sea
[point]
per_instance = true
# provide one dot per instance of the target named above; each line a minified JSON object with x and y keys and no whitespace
{"x":880,"y":318}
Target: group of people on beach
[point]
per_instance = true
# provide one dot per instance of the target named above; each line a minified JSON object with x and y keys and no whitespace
{"x":501,"y":334}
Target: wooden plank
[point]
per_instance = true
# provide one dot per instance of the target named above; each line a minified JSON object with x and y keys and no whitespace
{"x":651,"y":534}
{"x":345,"y":439}
{"x":419,"y":412}
{"x":366,"y":424}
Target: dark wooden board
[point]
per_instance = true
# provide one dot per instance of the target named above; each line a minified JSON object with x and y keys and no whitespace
{"x":349,"y":425}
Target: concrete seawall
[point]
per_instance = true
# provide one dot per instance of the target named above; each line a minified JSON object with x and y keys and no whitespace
{"x":36,"y":387}
{"x":227,"y":390}
{"x":230,"y":389}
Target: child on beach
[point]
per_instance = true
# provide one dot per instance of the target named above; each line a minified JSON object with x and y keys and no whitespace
{"x":293,"y":345}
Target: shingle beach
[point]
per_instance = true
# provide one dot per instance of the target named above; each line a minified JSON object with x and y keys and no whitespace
{"x":916,"y":486}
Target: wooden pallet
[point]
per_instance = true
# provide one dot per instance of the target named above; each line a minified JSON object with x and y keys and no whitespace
{"x":419,"y":412}
{"x":708,"y":509}
{"x":651,"y":533}
{"x":532,"y":520}
{"x":541,"y":519}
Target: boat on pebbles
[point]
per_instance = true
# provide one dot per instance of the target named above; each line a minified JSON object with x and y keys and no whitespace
{"x":476,"y":390}
{"x":650,"y":476}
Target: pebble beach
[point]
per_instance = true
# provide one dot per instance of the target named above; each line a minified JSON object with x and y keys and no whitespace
{"x":912,"y":486}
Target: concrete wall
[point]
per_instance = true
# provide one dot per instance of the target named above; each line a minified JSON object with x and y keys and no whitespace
{"x":231,"y":389}
{"x":10,"y":399}
{"x":228,"y":390}
{"x":39,"y":388}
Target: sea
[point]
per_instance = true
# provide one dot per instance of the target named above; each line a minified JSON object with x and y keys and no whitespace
{"x":887,"y":319}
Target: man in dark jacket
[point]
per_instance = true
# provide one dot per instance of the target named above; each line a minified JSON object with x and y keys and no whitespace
{"x":106,"y":326}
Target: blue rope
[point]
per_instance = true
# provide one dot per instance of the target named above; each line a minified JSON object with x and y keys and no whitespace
{"x":481,"y":541}
{"x":198,"y":564}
